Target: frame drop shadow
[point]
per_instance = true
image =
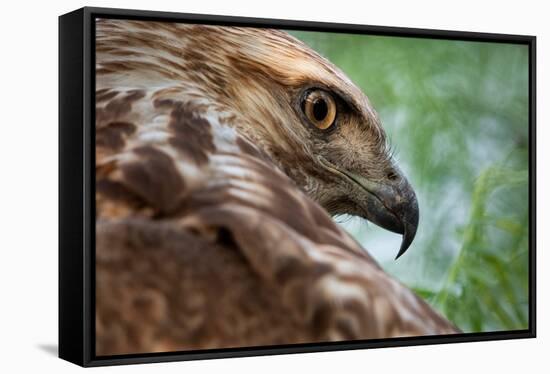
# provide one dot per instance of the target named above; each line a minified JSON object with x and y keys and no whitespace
{"x":51,"y":349}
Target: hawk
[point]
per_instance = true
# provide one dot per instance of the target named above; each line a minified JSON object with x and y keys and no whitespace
{"x":221,"y":153}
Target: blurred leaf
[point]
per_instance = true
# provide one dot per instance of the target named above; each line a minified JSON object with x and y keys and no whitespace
{"x":509,"y":225}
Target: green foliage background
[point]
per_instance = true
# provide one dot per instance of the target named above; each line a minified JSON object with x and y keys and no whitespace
{"x":457,"y":113}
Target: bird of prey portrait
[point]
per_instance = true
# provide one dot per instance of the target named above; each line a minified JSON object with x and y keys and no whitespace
{"x":221,"y":154}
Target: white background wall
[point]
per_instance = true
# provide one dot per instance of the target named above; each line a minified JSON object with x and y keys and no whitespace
{"x":28,"y":184}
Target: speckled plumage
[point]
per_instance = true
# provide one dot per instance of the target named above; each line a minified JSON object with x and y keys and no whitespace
{"x":212,"y":195}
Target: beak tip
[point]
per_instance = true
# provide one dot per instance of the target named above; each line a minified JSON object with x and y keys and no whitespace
{"x":403,"y":249}
{"x":399,"y":254}
{"x":409,"y":230}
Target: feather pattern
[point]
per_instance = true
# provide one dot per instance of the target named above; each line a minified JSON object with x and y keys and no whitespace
{"x":204,"y":238}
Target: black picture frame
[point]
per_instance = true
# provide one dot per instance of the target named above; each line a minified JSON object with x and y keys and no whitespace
{"x":76,"y":185}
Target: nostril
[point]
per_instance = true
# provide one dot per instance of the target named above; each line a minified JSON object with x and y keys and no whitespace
{"x":392,"y":176}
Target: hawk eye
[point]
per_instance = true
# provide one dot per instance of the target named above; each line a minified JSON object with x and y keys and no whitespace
{"x":320,"y":108}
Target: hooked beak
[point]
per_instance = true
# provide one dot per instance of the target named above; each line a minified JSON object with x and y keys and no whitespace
{"x":391,"y":204}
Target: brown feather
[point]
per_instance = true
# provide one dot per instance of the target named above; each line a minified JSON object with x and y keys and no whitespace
{"x":208,"y":233}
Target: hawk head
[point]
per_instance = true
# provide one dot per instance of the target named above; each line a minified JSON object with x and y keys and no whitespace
{"x":317,"y":126}
{"x":293,"y":104}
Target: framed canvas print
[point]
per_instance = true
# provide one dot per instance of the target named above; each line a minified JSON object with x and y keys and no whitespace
{"x":236,"y":186}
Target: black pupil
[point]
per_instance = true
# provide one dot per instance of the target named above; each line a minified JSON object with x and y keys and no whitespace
{"x":320,"y":109}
